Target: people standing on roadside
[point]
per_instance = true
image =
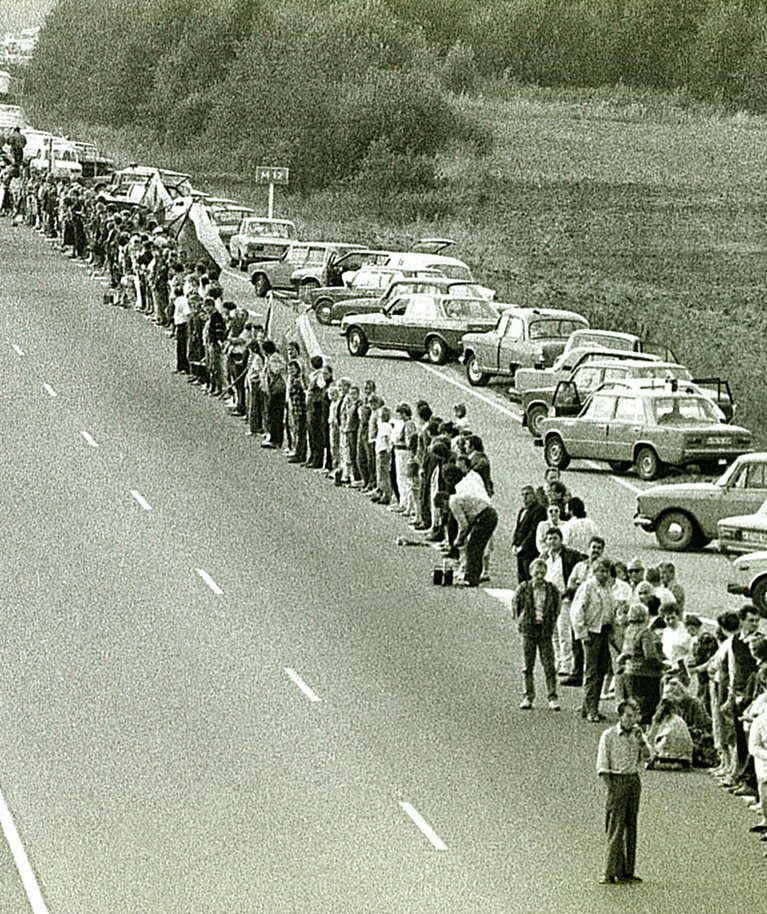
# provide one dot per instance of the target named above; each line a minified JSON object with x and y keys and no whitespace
{"x":273,"y":387}
{"x":17,"y":143}
{"x":641,"y":662}
{"x":592,"y":615}
{"x":315,"y":391}
{"x":578,"y":529}
{"x":523,"y":540}
{"x":477,"y":520}
{"x":536,"y":606}
{"x":623,"y":749}
{"x":553,"y":519}
{"x":296,"y":411}
{"x":383,"y":446}
{"x":582,"y":571}
{"x":560,"y":562}
{"x":181,"y":314}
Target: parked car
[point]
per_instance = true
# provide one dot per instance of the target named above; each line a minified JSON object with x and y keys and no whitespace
{"x":51,"y":154}
{"x":336,"y":269}
{"x":526,"y":379}
{"x":227,"y":216}
{"x":402,"y":282}
{"x":686,"y":515}
{"x":278,"y":273}
{"x":257,"y":238}
{"x":752,"y":584}
{"x":623,"y":342}
{"x":524,"y":337}
{"x":645,"y":425}
{"x":418,"y":324}
{"x":141,"y":185}
{"x":744,"y":532}
{"x":591,"y":375}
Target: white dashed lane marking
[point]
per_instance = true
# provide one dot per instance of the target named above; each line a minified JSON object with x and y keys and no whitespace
{"x":470,"y":390}
{"x":17,"y":349}
{"x":312,"y":696}
{"x":209,"y":581}
{"x":424,"y":826}
{"x":89,"y":439}
{"x":21,"y":860}
{"x":141,"y":500}
{"x":50,"y":391}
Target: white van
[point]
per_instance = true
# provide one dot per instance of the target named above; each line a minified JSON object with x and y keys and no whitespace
{"x":65,"y":156}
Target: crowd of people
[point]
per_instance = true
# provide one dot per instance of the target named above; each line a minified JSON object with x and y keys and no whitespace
{"x":615,"y":629}
{"x":620,"y":632}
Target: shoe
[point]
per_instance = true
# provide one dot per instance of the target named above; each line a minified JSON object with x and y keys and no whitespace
{"x":633,"y":879}
{"x":434,"y":537}
{"x":357,"y":484}
{"x":419,"y":525}
{"x":268,"y":444}
{"x":484,"y":579}
{"x":296,"y":460}
{"x":607,"y":880}
{"x":741,"y":790}
{"x":758,"y":829}
{"x":554,"y":705}
{"x":572,"y":681}
{"x":526,"y":704}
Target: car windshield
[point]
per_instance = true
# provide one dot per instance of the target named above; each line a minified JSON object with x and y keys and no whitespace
{"x":451,"y":270}
{"x":469,"y":309}
{"x":684,"y":410}
{"x":368,"y":279}
{"x":666,"y":372}
{"x":467,"y":290}
{"x":261,"y":229}
{"x":607,"y":342}
{"x":553,"y":328}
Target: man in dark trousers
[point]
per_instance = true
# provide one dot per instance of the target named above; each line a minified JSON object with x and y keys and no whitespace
{"x":536,"y":609}
{"x":622,"y":750}
{"x":560,"y":562}
{"x":17,"y":141}
{"x":523,"y":541}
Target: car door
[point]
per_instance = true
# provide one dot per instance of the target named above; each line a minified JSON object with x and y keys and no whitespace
{"x":625,"y":428}
{"x":590,"y":429}
{"x":423,"y":314}
{"x":388,"y":332}
{"x":747,"y":489}
{"x":510,"y":345}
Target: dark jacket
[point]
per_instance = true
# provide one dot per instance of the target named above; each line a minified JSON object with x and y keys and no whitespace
{"x":527,"y":525}
{"x":524,"y":608}
{"x":570,"y":558}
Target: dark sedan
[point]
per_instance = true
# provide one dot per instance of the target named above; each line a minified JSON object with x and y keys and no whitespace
{"x":418,"y":324}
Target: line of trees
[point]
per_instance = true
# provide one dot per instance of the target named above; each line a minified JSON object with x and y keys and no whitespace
{"x":335,"y":87}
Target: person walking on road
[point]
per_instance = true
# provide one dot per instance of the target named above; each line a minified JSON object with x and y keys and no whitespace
{"x":622,"y":750}
{"x":536,"y":609}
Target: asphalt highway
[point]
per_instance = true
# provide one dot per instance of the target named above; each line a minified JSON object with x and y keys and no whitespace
{"x":226,"y":689}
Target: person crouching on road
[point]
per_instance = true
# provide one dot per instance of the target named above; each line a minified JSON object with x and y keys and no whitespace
{"x":477,"y":520}
{"x":536,"y":608}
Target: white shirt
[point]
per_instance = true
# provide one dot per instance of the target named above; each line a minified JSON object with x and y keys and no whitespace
{"x":554,"y":573}
{"x":578,"y":533}
{"x":472,"y":484}
{"x":181,"y":310}
{"x":757,"y":746}
{"x":676,"y":642}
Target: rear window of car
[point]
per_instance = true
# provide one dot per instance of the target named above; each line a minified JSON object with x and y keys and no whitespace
{"x":468,"y":309}
{"x":670,"y":410}
{"x":451,"y":270}
{"x":607,"y":342}
{"x":553,"y":328}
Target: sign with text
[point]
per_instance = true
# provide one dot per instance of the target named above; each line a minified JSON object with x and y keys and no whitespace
{"x":267,"y":174}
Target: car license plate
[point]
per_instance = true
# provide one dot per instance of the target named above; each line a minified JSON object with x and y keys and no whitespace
{"x":717,"y":439}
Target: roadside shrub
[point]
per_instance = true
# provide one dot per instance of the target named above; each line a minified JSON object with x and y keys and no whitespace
{"x":459,"y":72}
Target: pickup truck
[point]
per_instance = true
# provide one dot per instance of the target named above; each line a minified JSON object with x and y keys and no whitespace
{"x":523,"y":337}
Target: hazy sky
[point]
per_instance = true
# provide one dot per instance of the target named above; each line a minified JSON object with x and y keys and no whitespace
{"x":21,"y":14}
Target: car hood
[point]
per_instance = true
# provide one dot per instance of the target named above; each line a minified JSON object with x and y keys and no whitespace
{"x":744,"y":562}
{"x":673,"y":491}
{"x":756,"y":521}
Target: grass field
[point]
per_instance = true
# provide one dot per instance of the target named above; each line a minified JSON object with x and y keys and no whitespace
{"x":644,"y":212}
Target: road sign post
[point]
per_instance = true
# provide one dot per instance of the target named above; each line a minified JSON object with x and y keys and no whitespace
{"x":268,"y":174}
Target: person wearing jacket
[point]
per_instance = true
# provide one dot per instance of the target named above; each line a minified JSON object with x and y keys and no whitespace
{"x":536,"y":608}
{"x":523,"y":541}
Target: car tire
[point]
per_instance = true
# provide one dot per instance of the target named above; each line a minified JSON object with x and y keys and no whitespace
{"x":415,"y":356}
{"x":474,"y":374}
{"x":555,"y":453}
{"x":647,"y":465}
{"x":759,"y":595}
{"x":261,"y":285}
{"x":436,"y":350}
{"x":324,"y":310}
{"x":535,"y":415}
{"x":356,"y":342}
{"x":676,"y":531}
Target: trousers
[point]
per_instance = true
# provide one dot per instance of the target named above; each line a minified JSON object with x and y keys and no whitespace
{"x":621,"y":816}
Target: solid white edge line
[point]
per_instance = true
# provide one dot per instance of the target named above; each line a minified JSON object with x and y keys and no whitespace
{"x":89,"y":439}
{"x":17,"y":349}
{"x":424,"y":826}
{"x":209,"y":581}
{"x":21,"y":860}
{"x":50,"y":391}
{"x":469,"y":390}
{"x":627,"y":485}
{"x":141,"y":500}
{"x":312,"y":696}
